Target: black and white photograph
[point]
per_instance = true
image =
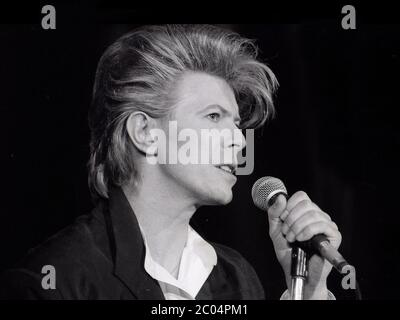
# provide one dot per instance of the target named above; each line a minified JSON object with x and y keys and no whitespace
{"x":150,"y":156}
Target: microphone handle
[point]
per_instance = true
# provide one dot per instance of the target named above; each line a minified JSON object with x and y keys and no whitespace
{"x":320,"y":244}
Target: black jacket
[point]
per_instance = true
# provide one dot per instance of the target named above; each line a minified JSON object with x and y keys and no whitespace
{"x":101,"y":256}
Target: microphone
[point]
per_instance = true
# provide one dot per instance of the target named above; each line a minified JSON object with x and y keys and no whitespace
{"x":264,"y":193}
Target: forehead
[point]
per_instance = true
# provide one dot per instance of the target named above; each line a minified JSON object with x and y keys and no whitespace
{"x":197,"y":90}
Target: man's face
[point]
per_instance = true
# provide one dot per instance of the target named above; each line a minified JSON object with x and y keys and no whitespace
{"x":205,"y":105}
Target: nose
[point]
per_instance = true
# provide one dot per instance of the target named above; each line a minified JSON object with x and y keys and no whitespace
{"x":237,"y":141}
{"x":233,"y":141}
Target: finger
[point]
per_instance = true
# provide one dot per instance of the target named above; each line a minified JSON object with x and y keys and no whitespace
{"x":326,"y":228}
{"x":308,"y":218}
{"x":296,"y":198}
{"x":276,"y":210}
{"x":301,"y":208}
{"x":284,"y":215}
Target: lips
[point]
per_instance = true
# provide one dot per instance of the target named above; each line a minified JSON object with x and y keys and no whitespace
{"x":229,"y":168}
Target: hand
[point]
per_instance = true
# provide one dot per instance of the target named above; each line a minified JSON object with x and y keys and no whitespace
{"x":299,"y":219}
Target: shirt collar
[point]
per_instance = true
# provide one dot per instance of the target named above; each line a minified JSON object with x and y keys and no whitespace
{"x":197,"y":261}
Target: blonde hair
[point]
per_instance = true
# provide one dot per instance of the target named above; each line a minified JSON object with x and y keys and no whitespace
{"x":137,"y":72}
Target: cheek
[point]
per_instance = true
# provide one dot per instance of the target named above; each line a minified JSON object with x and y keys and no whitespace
{"x":200,"y":182}
{"x":193,"y":177}
{"x":190,"y":173}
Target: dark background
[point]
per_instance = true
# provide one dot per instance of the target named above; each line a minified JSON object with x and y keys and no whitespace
{"x":336,"y":134}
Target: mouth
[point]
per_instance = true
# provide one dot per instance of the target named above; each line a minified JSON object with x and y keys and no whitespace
{"x":228,"y":168}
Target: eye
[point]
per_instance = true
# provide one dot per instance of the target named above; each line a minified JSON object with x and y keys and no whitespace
{"x":214,"y":116}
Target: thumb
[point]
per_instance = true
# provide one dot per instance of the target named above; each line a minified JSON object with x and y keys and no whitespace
{"x":276,"y":210}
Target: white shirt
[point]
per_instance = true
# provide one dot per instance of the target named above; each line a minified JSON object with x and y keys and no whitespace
{"x":197,"y":261}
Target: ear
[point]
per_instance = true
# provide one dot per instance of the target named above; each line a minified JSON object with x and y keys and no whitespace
{"x":138,"y":127}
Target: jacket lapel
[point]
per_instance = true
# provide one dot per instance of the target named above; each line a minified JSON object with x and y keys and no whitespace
{"x":129,"y":248}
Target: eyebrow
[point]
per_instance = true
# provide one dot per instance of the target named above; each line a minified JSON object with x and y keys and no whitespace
{"x":223,"y":110}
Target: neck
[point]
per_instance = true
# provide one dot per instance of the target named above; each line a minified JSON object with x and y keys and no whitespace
{"x":164,"y":219}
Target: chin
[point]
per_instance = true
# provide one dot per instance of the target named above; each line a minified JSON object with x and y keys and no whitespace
{"x":221,"y":197}
{"x":226,"y":201}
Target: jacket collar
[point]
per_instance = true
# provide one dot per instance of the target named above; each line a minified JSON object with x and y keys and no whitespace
{"x":128,"y":247}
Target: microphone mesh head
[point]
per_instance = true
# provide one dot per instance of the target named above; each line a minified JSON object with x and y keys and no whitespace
{"x":264,"y":189}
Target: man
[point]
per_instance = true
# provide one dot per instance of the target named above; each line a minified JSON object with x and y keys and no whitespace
{"x":137,"y":243}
